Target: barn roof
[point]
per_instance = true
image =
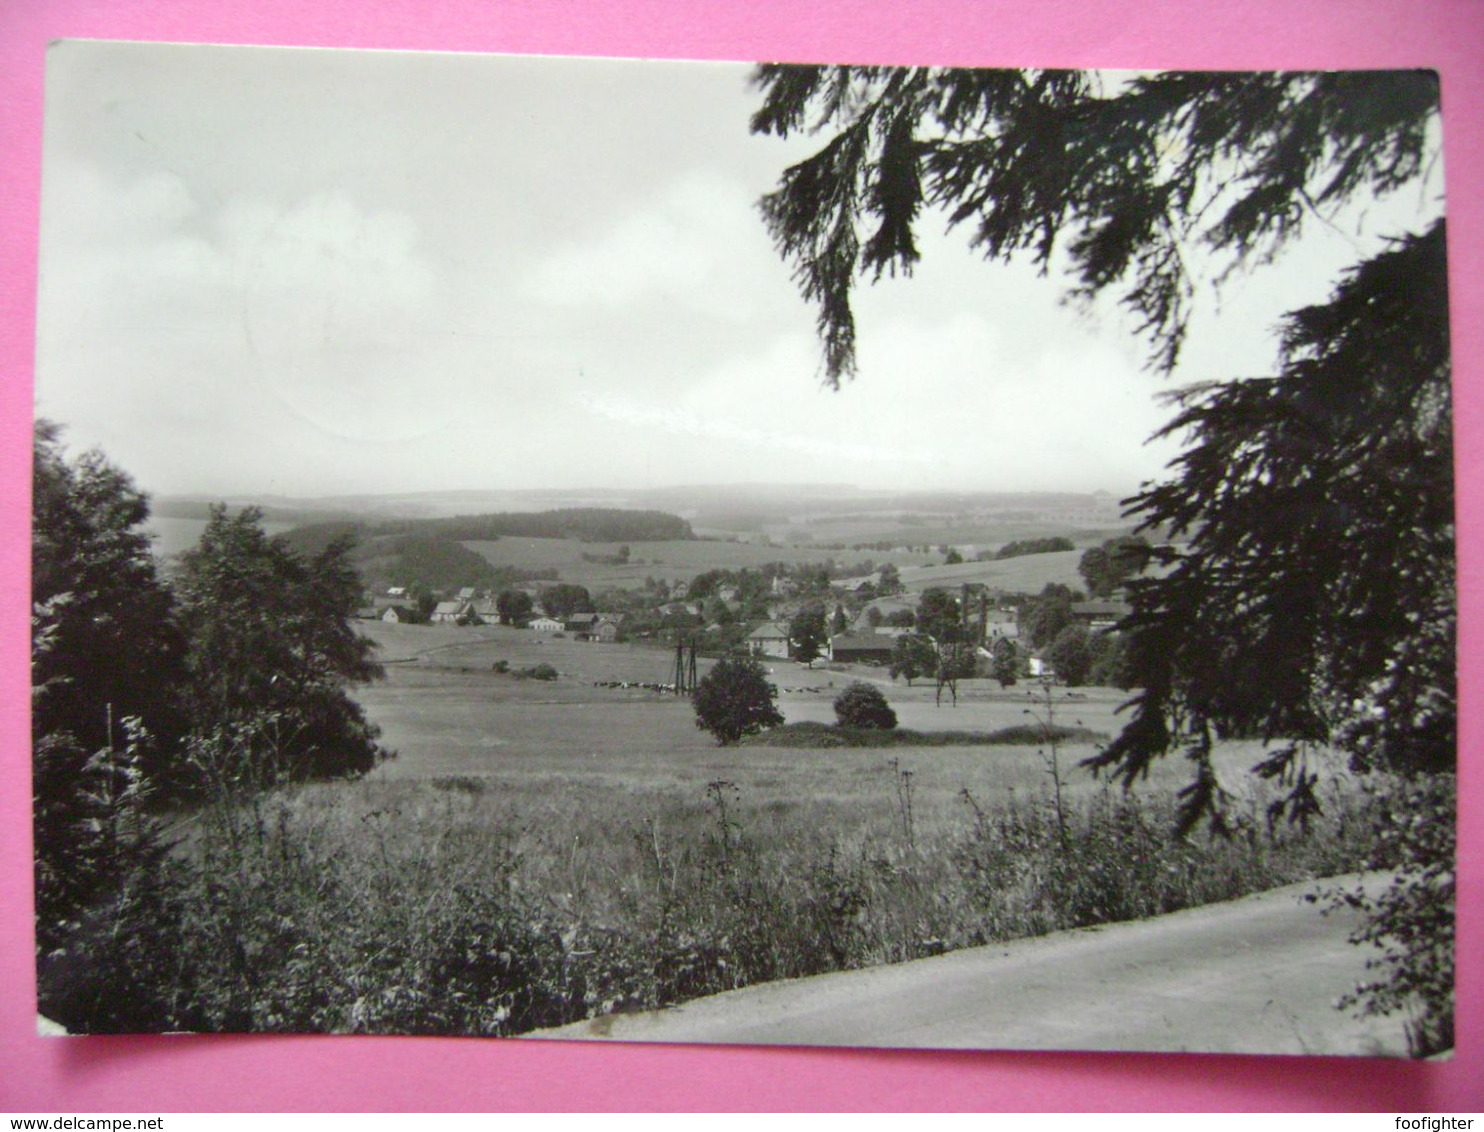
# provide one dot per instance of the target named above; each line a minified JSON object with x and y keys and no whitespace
{"x":861,"y":641}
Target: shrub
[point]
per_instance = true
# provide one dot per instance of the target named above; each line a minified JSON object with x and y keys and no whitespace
{"x":862,"y":705}
{"x":540,"y":672}
{"x":735,"y":699}
{"x":1412,"y":921}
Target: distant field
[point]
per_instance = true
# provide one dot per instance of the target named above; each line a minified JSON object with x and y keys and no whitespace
{"x":989,"y":533}
{"x":666,"y":560}
{"x":1029,"y":573}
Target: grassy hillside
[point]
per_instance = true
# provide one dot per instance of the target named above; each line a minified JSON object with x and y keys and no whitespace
{"x":1027,"y":574}
{"x":667,"y":560}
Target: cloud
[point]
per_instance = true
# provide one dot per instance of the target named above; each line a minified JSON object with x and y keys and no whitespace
{"x":307,"y":317}
{"x":684,"y":248}
{"x":760,"y":438}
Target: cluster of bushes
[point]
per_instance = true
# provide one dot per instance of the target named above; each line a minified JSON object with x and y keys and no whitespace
{"x":818,"y":736}
{"x":533,"y":672}
{"x":1021,"y":547}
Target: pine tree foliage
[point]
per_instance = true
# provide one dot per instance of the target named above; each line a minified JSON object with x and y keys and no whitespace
{"x":1312,"y":601}
{"x":1315,"y":601}
{"x":1135,"y":180}
{"x":104,"y":644}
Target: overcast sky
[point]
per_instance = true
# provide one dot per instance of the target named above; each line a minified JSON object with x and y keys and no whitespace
{"x":313,"y":273}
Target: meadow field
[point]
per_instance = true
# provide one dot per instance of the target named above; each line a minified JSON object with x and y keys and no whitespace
{"x":543,"y":851}
{"x":1027,"y":573}
{"x":671,"y":561}
{"x":448,"y":714}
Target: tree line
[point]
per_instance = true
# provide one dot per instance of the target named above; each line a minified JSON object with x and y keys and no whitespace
{"x":233,"y":672}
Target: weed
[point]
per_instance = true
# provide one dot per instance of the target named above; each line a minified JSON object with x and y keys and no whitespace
{"x":423,"y":908}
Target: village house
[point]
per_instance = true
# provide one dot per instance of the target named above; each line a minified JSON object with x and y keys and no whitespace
{"x":770,"y":639}
{"x":398,"y":615}
{"x":448,"y":612}
{"x":864,"y":584}
{"x":546,"y":625}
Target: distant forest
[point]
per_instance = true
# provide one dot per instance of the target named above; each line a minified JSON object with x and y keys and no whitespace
{"x":427,"y":552}
{"x":586,"y":524}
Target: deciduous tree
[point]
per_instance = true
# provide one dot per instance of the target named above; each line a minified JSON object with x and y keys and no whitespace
{"x":862,"y":705}
{"x":564,"y":599}
{"x":940,"y":616}
{"x":735,"y":699}
{"x":912,"y":656}
{"x":1006,"y":664}
{"x":514,"y":606}
{"x":1104,"y":568}
{"x":269,"y":639}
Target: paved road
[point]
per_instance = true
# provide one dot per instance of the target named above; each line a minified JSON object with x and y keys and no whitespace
{"x":1258,"y":975}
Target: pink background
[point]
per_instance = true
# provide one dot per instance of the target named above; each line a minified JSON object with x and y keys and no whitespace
{"x":250,"y":1073}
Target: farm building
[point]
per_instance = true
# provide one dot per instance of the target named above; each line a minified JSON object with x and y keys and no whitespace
{"x":770,"y":639}
{"x":448,"y":612}
{"x":580,"y":623}
{"x":860,"y":648}
{"x":1100,"y":614}
{"x":546,"y":625}
{"x":858,"y":585}
{"x":398,"y":615}
{"x":487,"y":612}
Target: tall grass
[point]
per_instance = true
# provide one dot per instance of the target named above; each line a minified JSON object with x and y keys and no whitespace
{"x":435,"y":908}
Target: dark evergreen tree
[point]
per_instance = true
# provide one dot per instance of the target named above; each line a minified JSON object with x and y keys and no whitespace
{"x":806,"y":634}
{"x":1314,"y":601}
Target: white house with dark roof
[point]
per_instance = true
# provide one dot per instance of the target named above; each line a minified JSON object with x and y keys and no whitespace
{"x":770,"y":639}
{"x":448,"y":612}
